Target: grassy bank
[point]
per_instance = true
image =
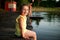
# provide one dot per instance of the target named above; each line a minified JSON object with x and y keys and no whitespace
{"x":56,"y":9}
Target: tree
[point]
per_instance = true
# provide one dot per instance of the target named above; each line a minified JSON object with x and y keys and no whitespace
{"x":20,"y":2}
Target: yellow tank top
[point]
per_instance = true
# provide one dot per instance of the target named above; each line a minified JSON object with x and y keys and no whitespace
{"x":18,"y":32}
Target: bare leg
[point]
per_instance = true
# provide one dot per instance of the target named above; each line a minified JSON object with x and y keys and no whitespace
{"x":29,"y":33}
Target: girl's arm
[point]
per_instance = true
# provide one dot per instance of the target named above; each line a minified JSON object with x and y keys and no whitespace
{"x":21,"y":26}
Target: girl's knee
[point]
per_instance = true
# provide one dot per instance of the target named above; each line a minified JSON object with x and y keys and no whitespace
{"x":34,"y":33}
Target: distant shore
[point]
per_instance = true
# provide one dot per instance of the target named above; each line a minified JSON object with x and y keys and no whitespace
{"x":40,"y":9}
{"x":46,"y":9}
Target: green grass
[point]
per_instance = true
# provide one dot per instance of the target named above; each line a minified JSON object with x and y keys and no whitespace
{"x":56,"y":9}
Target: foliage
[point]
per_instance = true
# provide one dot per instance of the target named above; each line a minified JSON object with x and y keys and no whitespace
{"x":48,"y":3}
{"x":20,"y":2}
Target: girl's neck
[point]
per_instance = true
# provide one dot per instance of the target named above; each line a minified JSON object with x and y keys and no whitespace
{"x":23,"y":15}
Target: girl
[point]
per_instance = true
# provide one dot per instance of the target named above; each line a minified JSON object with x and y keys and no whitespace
{"x":21,"y":22}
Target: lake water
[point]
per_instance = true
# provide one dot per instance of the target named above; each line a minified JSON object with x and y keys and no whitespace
{"x":47,"y":28}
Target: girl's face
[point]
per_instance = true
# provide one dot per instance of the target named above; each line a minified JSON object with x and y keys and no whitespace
{"x":25,"y":10}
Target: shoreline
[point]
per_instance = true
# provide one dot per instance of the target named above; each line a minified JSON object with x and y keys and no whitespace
{"x":44,"y":9}
{"x":39,"y":9}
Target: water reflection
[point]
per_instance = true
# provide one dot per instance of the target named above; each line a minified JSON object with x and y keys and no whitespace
{"x":49,"y":16}
{"x":37,"y":21}
{"x":53,"y":16}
